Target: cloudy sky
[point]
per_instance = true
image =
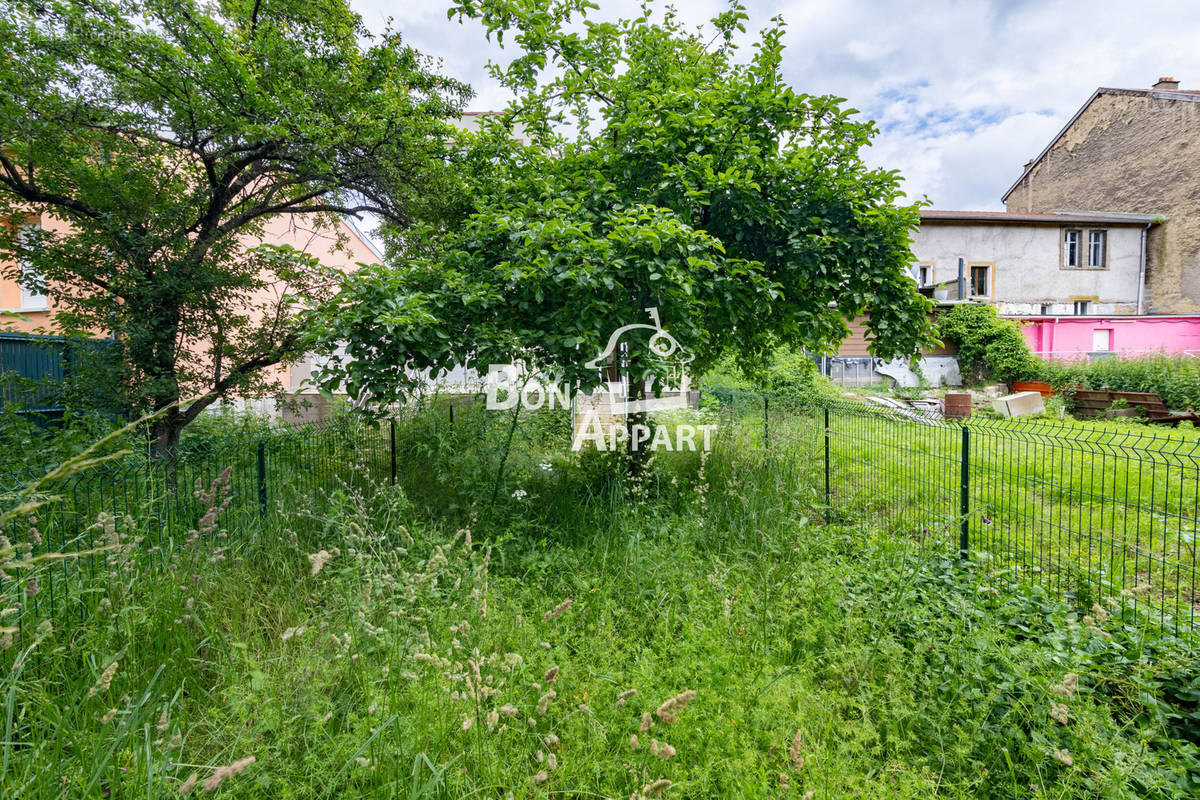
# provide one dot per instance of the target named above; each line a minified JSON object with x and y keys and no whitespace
{"x":964,"y":92}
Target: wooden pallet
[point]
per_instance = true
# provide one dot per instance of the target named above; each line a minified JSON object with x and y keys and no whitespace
{"x":1090,"y":403}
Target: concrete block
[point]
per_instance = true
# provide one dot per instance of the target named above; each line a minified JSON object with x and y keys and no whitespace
{"x":1021,"y":404}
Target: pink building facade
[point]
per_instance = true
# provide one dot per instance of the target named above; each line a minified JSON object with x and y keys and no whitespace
{"x":1070,"y":338}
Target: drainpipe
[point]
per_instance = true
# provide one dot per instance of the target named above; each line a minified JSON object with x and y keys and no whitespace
{"x":1141,"y":289}
{"x":961,"y":281}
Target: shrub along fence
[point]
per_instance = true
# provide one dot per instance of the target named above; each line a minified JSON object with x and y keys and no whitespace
{"x":1100,"y":515}
{"x":148,"y":507}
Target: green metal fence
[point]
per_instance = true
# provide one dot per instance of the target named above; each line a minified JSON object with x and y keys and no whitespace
{"x":1104,"y":516}
{"x":154,"y":505}
{"x":40,"y":374}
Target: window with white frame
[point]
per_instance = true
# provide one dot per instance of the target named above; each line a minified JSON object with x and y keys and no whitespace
{"x":33,"y":295}
{"x":1071,"y":242}
{"x":1083,"y":307}
{"x":1096,"y":248}
{"x":924,"y":274}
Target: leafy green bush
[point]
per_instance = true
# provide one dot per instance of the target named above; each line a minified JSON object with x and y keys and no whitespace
{"x":989,"y":348}
{"x":790,"y":378}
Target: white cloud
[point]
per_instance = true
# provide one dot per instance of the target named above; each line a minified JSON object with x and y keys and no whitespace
{"x":964,"y":92}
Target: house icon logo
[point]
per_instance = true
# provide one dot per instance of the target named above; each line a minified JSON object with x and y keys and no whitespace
{"x":666,"y":348}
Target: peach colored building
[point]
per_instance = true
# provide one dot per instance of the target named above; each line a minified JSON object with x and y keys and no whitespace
{"x":343,"y":246}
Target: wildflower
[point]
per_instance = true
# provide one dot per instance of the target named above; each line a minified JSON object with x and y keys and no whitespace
{"x":624,"y":696}
{"x":362,"y":762}
{"x":647,"y":722}
{"x":292,"y":632}
{"x":652,"y":790}
{"x":551,"y":675}
{"x":508,"y":710}
{"x":186,"y":787}
{"x":1100,"y":612}
{"x":1058,"y":713}
{"x":584,"y":708}
{"x":493,"y":717}
{"x":31,"y":588}
{"x":163,"y":722}
{"x":466,"y":723}
{"x":544,"y":702}
{"x":108,"y":716}
{"x":557,"y":611}
{"x":229,"y":771}
{"x":667,"y":711}
{"x":105,"y":680}
{"x":520,"y":494}
{"x":794,"y":750}
{"x":661,"y":749}
{"x":541,"y":777}
{"x":1070,"y":683}
{"x":550,"y":740}
{"x":319,"y":559}
{"x":545,"y":466}
{"x":633,"y":742}
{"x":552,"y":762}
{"x":544,"y":645}
{"x":1062,"y":756}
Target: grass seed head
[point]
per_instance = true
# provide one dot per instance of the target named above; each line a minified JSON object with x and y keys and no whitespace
{"x":558,"y":610}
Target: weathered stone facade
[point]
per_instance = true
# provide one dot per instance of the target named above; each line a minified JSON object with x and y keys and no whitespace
{"x":1135,"y":152}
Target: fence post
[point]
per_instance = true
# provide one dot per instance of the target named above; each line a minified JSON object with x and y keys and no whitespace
{"x":451,"y":413}
{"x":828,"y":500}
{"x":392,"y":438}
{"x":964,"y":537}
{"x":262,"y":477}
{"x":767,"y":422}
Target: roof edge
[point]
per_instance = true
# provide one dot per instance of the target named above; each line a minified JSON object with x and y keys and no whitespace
{"x":1033,"y":164}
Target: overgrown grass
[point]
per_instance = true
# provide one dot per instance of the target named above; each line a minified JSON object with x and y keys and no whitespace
{"x":417,"y":642}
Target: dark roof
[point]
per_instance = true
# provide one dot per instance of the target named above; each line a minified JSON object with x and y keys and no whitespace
{"x":1057,"y":218}
{"x":1185,"y":95}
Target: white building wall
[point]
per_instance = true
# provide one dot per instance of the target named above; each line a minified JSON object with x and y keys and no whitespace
{"x":1027,"y":265}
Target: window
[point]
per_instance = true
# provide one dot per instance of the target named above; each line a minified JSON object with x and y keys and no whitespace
{"x":1046,"y":309}
{"x":924,"y":275}
{"x":981,"y":284}
{"x":1071,"y":248}
{"x":1083,"y":307}
{"x":32,"y":296}
{"x":1096,"y":248}
{"x":1102,"y":340}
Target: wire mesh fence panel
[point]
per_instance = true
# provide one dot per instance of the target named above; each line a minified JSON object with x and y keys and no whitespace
{"x":148,"y":508}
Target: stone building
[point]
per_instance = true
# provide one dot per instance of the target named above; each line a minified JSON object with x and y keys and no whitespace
{"x":1132,"y":151}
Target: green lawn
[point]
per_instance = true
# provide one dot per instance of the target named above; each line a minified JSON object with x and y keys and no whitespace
{"x":361,"y":643}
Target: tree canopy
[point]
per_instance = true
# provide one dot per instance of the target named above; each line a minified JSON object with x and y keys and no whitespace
{"x":166,"y":133}
{"x":641,"y":165}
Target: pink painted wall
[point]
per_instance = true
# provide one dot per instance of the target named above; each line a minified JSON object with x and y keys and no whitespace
{"x":1075,"y":337}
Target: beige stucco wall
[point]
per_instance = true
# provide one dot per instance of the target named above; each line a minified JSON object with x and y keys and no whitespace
{"x":1132,"y":154}
{"x":1027,"y":268}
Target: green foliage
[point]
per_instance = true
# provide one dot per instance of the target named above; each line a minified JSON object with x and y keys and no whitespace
{"x":166,"y":133}
{"x":704,"y":186}
{"x":988,"y":347}
{"x":790,"y":377}
{"x":885,"y":669}
{"x":1175,"y":379}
